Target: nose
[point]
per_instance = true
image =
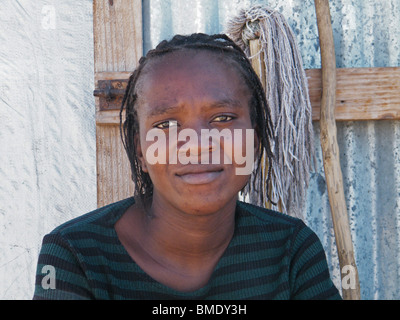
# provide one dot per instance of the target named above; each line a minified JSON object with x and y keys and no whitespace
{"x":188,"y":145}
{"x":192,"y":141}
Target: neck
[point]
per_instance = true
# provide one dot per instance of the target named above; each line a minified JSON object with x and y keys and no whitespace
{"x":187,"y":240}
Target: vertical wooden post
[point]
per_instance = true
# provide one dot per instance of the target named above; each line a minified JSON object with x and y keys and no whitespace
{"x":330,"y":150}
{"x":117,"y":31}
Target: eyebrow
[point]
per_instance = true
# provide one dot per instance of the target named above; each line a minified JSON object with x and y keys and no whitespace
{"x":168,"y":109}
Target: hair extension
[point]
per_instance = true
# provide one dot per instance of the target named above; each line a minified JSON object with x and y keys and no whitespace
{"x":259,"y":111}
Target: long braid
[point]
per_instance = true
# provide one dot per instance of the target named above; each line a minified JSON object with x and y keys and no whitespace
{"x":259,"y":111}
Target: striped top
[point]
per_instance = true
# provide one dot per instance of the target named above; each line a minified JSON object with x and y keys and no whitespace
{"x":271,"y":256}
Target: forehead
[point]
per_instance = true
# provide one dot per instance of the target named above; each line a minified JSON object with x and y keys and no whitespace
{"x":193,"y":59}
{"x":188,"y":73}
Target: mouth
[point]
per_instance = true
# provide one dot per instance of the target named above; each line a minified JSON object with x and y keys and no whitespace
{"x":199,"y":175}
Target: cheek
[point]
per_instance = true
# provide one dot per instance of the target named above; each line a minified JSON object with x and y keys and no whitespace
{"x":157,"y":148}
{"x":243,"y":151}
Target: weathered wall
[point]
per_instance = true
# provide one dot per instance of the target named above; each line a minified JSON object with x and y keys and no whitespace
{"x":47,"y":129}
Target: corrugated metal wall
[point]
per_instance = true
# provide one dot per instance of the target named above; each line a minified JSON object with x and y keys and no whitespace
{"x":367,"y":34}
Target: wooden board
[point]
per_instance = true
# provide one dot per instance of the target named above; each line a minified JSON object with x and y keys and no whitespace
{"x":113,"y":170}
{"x":361,"y":93}
{"x":117,"y":29}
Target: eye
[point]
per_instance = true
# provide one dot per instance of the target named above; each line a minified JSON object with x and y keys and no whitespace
{"x":223,"y":118}
{"x":166,"y":124}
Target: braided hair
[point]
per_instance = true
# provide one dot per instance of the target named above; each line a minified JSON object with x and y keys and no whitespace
{"x":259,"y":111}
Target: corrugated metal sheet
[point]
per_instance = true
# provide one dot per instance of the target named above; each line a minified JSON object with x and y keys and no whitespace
{"x":367,"y":34}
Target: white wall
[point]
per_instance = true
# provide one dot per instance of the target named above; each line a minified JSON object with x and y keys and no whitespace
{"x":47,"y":129}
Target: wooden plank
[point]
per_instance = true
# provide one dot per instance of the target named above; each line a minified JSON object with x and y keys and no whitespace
{"x":361,"y":93}
{"x":117,"y":30}
{"x":107,"y":118}
{"x":117,"y":34}
{"x":112,"y":75}
{"x":113,"y":168}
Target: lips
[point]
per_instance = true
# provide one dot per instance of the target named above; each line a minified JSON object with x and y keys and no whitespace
{"x":199,"y":174}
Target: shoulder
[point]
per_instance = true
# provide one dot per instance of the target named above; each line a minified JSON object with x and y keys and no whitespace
{"x":95,"y":220}
{"x":77,"y":249}
{"x":268,"y":217}
{"x":308,"y":272}
{"x":276,"y":225}
{"x":91,"y":230}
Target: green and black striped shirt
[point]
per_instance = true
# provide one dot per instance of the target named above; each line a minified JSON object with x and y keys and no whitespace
{"x":271,"y":256}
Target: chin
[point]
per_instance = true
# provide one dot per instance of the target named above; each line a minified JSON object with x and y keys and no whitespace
{"x":205,"y":204}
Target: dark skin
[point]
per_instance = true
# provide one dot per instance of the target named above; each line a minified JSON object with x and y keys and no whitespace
{"x":191,"y":217}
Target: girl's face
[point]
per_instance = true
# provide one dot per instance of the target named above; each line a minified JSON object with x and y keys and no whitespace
{"x":193,"y":90}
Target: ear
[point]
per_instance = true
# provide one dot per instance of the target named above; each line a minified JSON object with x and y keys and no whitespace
{"x":139,"y":153}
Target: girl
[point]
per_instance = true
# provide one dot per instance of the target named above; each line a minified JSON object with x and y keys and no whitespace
{"x":185,"y":234}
